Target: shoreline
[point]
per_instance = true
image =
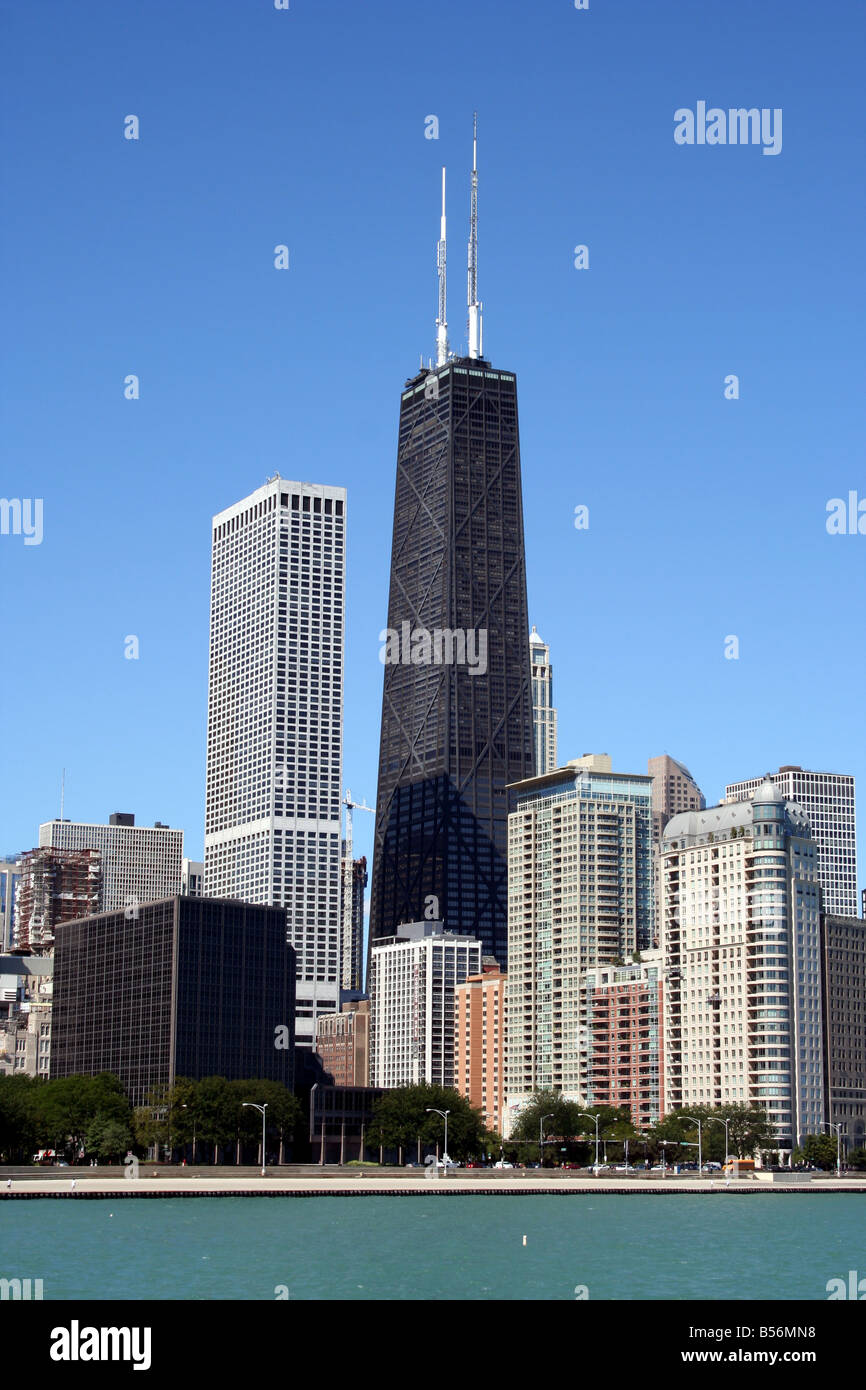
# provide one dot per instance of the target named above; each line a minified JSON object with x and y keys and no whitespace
{"x":368,"y":1184}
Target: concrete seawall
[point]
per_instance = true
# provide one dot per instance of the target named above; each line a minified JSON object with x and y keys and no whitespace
{"x":399,"y":1183}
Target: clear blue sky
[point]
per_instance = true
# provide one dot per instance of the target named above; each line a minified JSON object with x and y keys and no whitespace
{"x":306,"y":127}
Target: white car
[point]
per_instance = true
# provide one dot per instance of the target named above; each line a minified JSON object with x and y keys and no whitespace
{"x":503,"y":1164}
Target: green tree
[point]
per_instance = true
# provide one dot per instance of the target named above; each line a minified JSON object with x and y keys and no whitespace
{"x":68,"y":1106}
{"x":215,"y":1111}
{"x":549,"y":1113}
{"x":748,"y":1131}
{"x":817,"y":1149}
{"x":284,"y":1113}
{"x":108,"y":1139}
{"x":20,"y":1121}
{"x":857,"y":1159}
{"x":400,"y":1118}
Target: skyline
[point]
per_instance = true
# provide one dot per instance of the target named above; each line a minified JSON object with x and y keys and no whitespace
{"x":621,"y":370}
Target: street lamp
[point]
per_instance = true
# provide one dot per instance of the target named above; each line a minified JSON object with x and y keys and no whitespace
{"x":717,"y":1120}
{"x":596,"y":1118}
{"x":431,"y":1110}
{"x":838,"y":1129}
{"x":693,"y":1121}
{"x":252,"y":1105}
{"x":664,"y":1145}
{"x":540,"y":1132}
{"x":184,"y":1106}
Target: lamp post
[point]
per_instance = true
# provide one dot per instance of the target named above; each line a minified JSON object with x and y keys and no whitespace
{"x":540,"y":1133}
{"x":184,"y":1106}
{"x":838,"y":1129}
{"x":691,"y":1119}
{"x":717,"y":1120}
{"x":596,"y":1118}
{"x":252,"y":1105}
{"x":431,"y":1110}
{"x":664,"y":1145}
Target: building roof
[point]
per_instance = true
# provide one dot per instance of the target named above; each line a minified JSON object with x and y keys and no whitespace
{"x":727,"y":816}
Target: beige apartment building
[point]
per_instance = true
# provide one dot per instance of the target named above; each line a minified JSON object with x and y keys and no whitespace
{"x":741,"y":902}
{"x":579,"y":895}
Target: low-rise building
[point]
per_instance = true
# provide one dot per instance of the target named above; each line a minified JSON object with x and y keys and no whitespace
{"x":25,"y":1015}
{"x":343,"y":1043}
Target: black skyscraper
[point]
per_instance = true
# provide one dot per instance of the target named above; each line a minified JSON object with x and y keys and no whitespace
{"x":453,"y":737}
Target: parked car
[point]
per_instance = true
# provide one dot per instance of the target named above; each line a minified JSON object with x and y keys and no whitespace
{"x":502,"y":1163}
{"x":625,"y":1168}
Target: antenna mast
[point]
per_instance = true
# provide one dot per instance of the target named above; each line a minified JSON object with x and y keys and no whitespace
{"x":442,"y":320}
{"x":475,"y":326}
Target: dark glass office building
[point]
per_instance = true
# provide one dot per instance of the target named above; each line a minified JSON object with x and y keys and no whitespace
{"x":457,"y":707}
{"x":189,"y":987}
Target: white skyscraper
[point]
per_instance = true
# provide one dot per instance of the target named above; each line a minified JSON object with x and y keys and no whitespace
{"x":412,"y":982}
{"x":275,"y":721}
{"x":140,"y":863}
{"x":828,"y":800}
{"x":543,"y":712}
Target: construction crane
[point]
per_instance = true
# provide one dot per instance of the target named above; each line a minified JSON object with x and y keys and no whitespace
{"x":348,"y":884}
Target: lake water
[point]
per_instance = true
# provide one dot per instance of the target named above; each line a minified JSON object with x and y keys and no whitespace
{"x":772,"y":1246}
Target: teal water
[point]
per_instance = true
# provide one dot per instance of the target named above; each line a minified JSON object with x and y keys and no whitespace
{"x":720,"y":1247}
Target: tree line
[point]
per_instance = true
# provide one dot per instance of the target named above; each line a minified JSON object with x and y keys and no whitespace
{"x":83,"y":1118}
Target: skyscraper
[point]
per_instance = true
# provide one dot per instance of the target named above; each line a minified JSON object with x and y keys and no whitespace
{"x":56,"y":886}
{"x":140,"y":863}
{"x":456,"y":706}
{"x":843,"y":943}
{"x":354,"y":881}
{"x":674,"y":790}
{"x":189,"y":987}
{"x":10,"y":874}
{"x":413,"y":976}
{"x":543,"y":712}
{"x":828,"y":800}
{"x":275,"y":715}
{"x":579,"y":895}
{"x":742,"y":952}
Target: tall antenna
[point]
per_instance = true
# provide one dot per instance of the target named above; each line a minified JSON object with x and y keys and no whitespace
{"x":442,"y":320}
{"x":475,"y":326}
{"x":62,"y":791}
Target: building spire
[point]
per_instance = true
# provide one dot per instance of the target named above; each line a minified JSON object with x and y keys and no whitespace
{"x":442,"y":320}
{"x":475,"y":326}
